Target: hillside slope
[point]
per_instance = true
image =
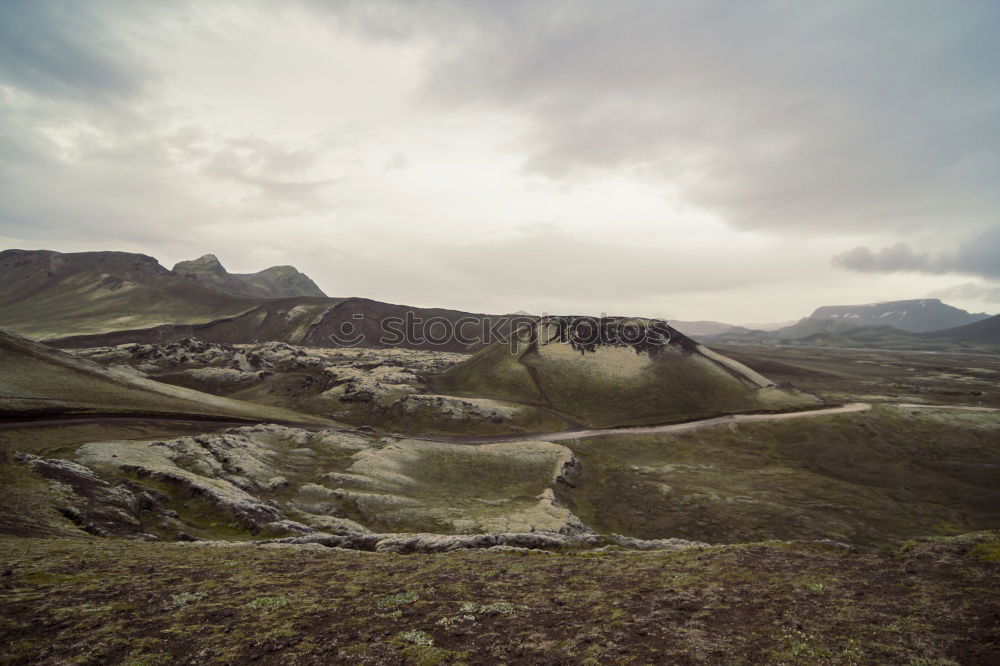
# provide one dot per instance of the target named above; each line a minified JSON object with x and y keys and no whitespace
{"x":105,"y":298}
{"x":321,"y":322}
{"x":46,"y":294}
{"x":982,"y":336}
{"x":985,"y":331}
{"x":37,"y":381}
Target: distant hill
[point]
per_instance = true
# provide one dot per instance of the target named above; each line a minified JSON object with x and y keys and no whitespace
{"x":274,"y":282}
{"x":766,"y":326}
{"x":46,"y":294}
{"x":37,"y":381}
{"x":981,"y":336}
{"x":701,"y":328}
{"x":320,"y":322}
{"x":105,"y":298}
{"x":916,"y":316}
{"x":985,"y":331}
{"x":889,"y":325}
{"x":614,"y":381}
{"x":808,"y":326}
{"x":801,"y":329}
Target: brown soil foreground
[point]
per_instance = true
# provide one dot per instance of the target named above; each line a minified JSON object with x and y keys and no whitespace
{"x":104,"y":601}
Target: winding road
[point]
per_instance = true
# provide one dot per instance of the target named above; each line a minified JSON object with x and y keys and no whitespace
{"x":849,"y":408}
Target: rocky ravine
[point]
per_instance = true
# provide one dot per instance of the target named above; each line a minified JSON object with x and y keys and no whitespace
{"x":336,"y":488}
{"x":383,"y":387}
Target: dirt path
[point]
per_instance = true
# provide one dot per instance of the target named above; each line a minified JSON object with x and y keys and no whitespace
{"x":849,"y":408}
{"x":969,"y":408}
{"x":139,"y":419}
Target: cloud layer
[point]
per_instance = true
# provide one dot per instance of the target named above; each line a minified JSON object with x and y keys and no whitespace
{"x":694,"y":159}
{"x":776,"y":115}
{"x":979,"y":257}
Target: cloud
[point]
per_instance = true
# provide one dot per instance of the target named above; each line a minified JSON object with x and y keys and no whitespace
{"x":278,"y":175}
{"x":979,"y":256}
{"x":705,"y":154}
{"x":969,"y":291}
{"x":896,"y":259}
{"x":555,"y":268}
{"x":61,"y":49}
{"x":782,"y":116}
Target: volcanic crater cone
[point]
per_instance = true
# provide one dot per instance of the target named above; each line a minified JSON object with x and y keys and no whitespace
{"x":616,"y":371}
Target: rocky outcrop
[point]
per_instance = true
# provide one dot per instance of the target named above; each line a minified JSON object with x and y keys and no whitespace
{"x":191,"y":353}
{"x":340,"y":481}
{"x":442,"y":543}
{"x":370,"y":377}
{"x":219,"y":468}
{"x":458,"y":410}
{"x":502,"y":487}
{"x":88,"y":501}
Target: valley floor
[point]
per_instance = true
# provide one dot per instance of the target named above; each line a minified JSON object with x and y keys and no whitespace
{"x":851,"y":535}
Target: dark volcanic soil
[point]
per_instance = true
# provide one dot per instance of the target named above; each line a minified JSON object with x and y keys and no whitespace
{"x":102,"y":601}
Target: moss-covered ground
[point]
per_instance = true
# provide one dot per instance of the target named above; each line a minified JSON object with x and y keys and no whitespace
{"x":29,"y":501}
{"x":865,"y":478}
{"x":95,"y":601}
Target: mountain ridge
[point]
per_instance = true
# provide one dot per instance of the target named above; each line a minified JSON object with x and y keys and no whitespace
{"x":99,"y":298}
{"x":919,"y":315}
{"x":273,"y":282}
{"x":45,"y":293}
{"x":911,"y":320}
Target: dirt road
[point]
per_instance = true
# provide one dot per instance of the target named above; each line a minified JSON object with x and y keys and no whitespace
{"x":849,"y":408}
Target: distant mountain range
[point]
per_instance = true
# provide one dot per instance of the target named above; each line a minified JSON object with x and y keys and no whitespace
{"x":701,"y":328}
{"x":911,"y":324}
{"x":916,"y":316}
{"x":103,"y":298}
{"x":274,"y":282}
{"x":981,"y":335}
{"x":100,"y":298}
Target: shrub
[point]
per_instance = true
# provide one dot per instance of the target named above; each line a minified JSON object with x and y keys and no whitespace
{"x":396,"y":600}
{"x":417,"y":637}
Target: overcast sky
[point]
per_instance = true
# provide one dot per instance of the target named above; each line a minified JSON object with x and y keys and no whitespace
{"x":736,"y":161}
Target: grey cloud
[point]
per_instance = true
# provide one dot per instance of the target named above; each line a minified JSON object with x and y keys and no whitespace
{"x":278,"y":173}
{"x":969,"y":291}
{"x":60,"y":49}
{"x":554,"y":269}
{"x":791,"y":116}
{"x":549,"y":259}
{"x":895,"y":259}
{"x":788,"y":117}
{"x":67,"y":68}
{"x":978,"y":256}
